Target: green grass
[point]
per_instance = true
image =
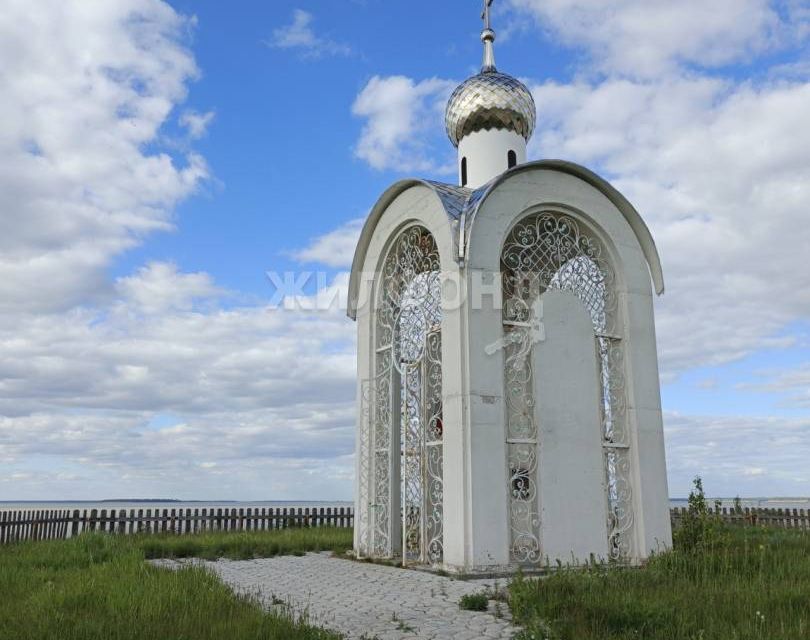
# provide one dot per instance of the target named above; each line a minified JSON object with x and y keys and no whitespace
{"x":750,"y":584}
{"x":248,"y":544}
{"x":99,"y":587}
{"x":474,"y":602}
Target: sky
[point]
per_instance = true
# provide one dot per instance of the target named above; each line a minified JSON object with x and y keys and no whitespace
{"x":158,"y":159}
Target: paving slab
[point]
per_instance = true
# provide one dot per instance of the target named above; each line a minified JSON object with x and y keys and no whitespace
{"x":365,"y":601}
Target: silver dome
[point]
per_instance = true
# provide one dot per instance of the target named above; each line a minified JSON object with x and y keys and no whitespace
{"x":490,"y":100}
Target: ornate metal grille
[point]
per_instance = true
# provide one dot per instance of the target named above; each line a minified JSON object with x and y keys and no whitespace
{"x":550,"y":251}
{"x":408,"y":403}
{"x":364,"y":462}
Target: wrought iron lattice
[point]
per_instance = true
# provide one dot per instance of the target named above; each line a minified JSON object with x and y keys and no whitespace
{"x":382,"y":435}
{"x":364,"y":462}
{"x":551,"y":251}
{"x":408,"y":404}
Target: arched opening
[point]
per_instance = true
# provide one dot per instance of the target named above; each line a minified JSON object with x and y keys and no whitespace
{"x":406,"y":424}
{"x":552,"y":251}
{"x":511,"y":158}
{"x":464,"y":172}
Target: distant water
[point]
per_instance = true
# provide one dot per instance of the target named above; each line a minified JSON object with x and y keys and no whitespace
{"x":765,"y":503}
{"x":165,"y":504}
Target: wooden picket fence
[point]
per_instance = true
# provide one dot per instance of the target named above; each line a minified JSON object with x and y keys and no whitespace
{"x":17,"y":526}
{"x":60,"y":524}
{"x":751,"y":517}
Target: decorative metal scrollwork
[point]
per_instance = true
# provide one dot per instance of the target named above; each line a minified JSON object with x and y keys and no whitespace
{"x":363,"y":464}
{"x":551,"y":251}
{"x":383,"y":414}
{"x":408,"y":400}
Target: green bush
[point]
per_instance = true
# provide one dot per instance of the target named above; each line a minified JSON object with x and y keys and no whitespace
{"x":474,"y":602}
{"x":700,"y":529}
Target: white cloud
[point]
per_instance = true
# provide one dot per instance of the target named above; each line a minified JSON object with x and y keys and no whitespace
{"x":169,"y":359}
{"x":265,"y":398}
{"x":197,"y":123}
{"x":88,"y":363}
{"x":258,"y":392}
{"x":335,"y":248}
{"x":259,"y":456}
{"x":645,"y":38}
{"x":158,"y":288}
{"x":719,"y":171}
{"x":791,"y":384}
{"x":86,"y":86}
{"x":299,"y":35}
{"x":400,"y":114}
{"x":750,"y":457}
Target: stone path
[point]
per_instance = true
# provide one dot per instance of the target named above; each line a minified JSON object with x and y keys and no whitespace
{"x":366,"y":601}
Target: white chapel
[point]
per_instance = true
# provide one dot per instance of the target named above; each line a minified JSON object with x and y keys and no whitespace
{"x":509,"y":410}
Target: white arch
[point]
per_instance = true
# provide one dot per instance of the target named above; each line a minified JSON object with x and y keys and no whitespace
{"x":461,"y":207}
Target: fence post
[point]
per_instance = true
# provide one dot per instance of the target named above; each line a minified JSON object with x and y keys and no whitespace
{"x":74,"y":524}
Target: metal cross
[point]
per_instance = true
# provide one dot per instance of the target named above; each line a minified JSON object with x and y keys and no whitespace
{"x":485,"y":14}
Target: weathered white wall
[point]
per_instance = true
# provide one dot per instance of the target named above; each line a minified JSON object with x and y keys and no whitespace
{"x":571,"y":467}
{"x":542,"y":189}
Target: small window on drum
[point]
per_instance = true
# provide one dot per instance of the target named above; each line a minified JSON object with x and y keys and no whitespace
{"x":464,"y":172}
{"x":511,"y":159}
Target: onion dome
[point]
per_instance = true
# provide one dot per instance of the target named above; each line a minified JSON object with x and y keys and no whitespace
{"x":490,"y":100}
